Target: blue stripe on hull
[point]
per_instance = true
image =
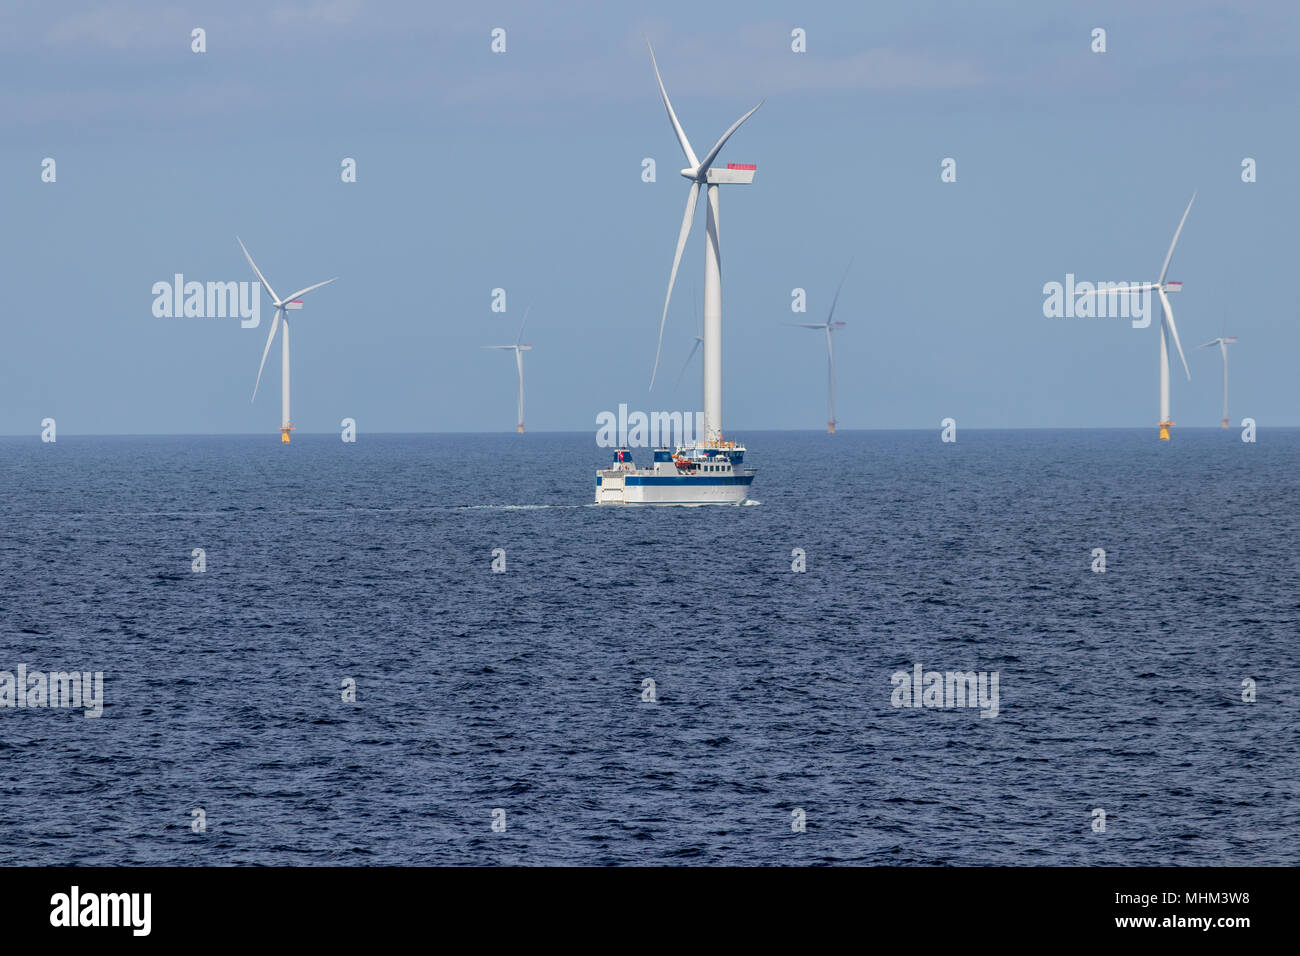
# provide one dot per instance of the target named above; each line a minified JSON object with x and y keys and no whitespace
{"x":681,"y":481}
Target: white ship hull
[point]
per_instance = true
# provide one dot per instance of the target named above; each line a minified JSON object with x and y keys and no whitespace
{"x":626,"y":488}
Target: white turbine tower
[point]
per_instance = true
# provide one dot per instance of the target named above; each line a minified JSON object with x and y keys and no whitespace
{"x":1167,"y":328}
{"x":1223,"y":342}
{"x":293,"y":302}
{"x":829,"y":328}
{"x":701,"y":173}
{"x":519,"y":351}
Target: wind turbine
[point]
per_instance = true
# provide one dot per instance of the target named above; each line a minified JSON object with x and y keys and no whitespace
{"x":701,"y":173}
{"x":829,"y":327}
{"x":293,"y":302}
{"x":1223,"y":342}
{"x":519,"y":351}
{"x":1167,"y":328}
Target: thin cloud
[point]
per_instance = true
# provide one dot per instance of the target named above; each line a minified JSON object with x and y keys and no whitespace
{"x":120,"y":27}
{"x":742,"y":73}
{"x":322,"y":11}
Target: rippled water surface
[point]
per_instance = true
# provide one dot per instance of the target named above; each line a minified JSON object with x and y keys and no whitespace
{"x":523,"y":690}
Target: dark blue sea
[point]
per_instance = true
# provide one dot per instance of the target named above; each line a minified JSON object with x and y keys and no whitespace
{"x":522,"y":691}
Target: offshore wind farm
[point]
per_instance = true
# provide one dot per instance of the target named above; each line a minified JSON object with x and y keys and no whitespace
{"x":956,"y":579}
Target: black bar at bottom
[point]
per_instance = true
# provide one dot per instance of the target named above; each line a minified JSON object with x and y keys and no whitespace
{"x":337,"y":905}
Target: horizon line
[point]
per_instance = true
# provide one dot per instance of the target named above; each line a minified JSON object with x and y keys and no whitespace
{"x":560,"y":431}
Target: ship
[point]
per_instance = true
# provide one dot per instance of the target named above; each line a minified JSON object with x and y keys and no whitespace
{"x":706,"y":473}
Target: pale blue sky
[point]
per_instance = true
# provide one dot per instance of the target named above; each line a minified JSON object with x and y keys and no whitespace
{"x":522,"y":170}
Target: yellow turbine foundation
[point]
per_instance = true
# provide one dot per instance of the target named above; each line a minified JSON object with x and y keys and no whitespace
{"x":830,"y":428}
{"x":1164,"y":430}
{"x":521,"y":428}
{"x":284,"y":434}
{"x":1225,"y":423}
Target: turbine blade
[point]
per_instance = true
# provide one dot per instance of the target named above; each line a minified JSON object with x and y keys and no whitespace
{"x":717,"y":147}
{"x":1173,"y":331}
{"x":807,"y":325}
{"x":274,"y":298}
{"x":1125,"y":290}
{"x":309,"y":288}
{"x":1209,"y":343}
{"x":836,"y":300}
{"x":1170,"y":254}
{"x":275,"y":324}
{"x":523,"y":323}
{"x":687,"y":222}
{"x":677,"y":127}
{"x":685,"y":365}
